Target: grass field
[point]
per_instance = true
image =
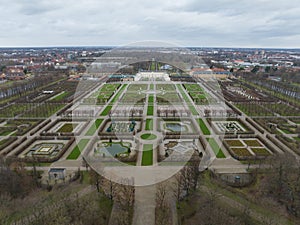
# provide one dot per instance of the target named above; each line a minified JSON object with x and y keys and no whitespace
{"x":151,"y":99}
{"x":216,"y":148}
{"x":297,"y":138}
{"x":260,"y":151}
{"x":94,"y":127}
{"x":109,"y":87}
{"x":77,"y":150}
{"x":147,"y":158}
{"x":133,"y":98}
{"x":168,"y":98}
{"x":106,"y":110}
{"x":203,"y":127}
{"x":199,"y":96}
{"x":252,"y":143}
{"x":103,"y":95}
{"x":137,"y":87}
{"x":61,"y":97}
{"x":148,"y":136}
{"x":234,"y":143}
{"x":149,"y":124}
{"x":193,"y":88}
{"x":68,"y":128}
{"x":241,"y":152}
{"x":150,"y":110}
{"x":166,"y":87}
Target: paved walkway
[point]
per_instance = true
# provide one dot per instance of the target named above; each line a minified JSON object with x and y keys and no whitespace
{"x":144,"y":205}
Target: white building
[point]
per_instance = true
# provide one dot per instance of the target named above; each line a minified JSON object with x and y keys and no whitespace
{"x":152,"y":75}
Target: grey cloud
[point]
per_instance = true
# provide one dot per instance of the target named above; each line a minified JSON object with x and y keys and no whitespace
{"x":189,"y":22}
{"x":36,"y":7}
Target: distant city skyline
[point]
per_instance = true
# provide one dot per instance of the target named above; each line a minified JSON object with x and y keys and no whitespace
{"x":198,"y":23}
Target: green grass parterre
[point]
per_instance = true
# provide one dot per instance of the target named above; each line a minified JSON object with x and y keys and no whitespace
{"x":149,"y":124}
{"x":216,"y":148}
{"x":78,"y":149}
{"x":67,"y":128}
{"x":203,"y":127}
{"x":148,"y":136}
{"x":94,"y":127}
{"x":147,"y":157}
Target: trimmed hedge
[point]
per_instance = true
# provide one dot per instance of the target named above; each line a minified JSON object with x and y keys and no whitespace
{"x":255,"y":125}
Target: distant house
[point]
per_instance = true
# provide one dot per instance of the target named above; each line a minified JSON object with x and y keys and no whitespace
{"x":15,"y":74}
{"x":2,"y":76}
{"x":57,"y":173}
{"x":208,"y":73}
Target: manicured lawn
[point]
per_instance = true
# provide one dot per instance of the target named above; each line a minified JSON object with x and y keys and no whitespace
{"x":193,"y":88}
{"x":103,"y":95}
{"x":148,"y":136}
{"x":109,"y":87}
{"x":137,"y":87}
{"x":147,"y":158}
{"x":151,"y":99}
{"x":39,"y":164}
{"x":286,"y":131}
{"x":234,"y":143}
{"x":151,"y":86}
{"x":260,"y":151}
{"x":150,"y":105}
{"x":106,"y":110}
{"x":197,"y":93}
{"x":216,"y":148}
{"x":297,"y":138}
{"x":166,"y":87}
{"x":252,"y":143}
{"x":153,"y":67}
{"x":67,"y":128}
{"x":61,"y":96}
{"x":203,"y":127}
{"x":149,"y":124}
{"x":241,"y":152}
{"x":150,"y":110}
{"x":133,"y":98}
{"x":94,"y":127}
{"x":77,"y":150}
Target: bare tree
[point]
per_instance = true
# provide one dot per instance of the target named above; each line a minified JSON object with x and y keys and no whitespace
{"x":162,"y":210}
{"x":177,"y":187}
{"x":96,"y":179}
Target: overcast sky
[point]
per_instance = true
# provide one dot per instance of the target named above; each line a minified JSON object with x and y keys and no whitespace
{"x":209,"y":23}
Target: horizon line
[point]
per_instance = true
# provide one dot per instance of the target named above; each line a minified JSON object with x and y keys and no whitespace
{"x":124,"y":46}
